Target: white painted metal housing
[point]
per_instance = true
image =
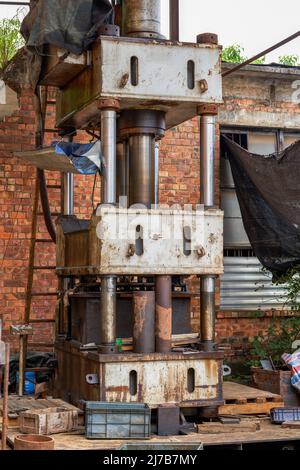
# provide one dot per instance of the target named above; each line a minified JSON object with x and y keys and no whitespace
{"x":172,"y":242}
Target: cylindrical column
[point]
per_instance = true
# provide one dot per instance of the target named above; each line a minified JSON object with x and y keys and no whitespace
{"x":207,"y":192}
{"x":163,"y":314}
{"x":207,"y":302}
{"x":142,"y":170}
{"x":144,"y":322}
{"x":108,"y":314}
{"x":174,"y":20}
{"x":68,"y":191}
{"x":141,"y":18}
{"x":109,"y":196}
{"x":207,"y":159}
{"x":109,"y":165}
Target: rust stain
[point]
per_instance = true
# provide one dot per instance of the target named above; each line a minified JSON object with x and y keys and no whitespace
{"x":117,"y":389}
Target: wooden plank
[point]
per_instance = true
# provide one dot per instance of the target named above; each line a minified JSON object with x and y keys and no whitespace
{"x":291,"y":425}
{"x":219,"y":428}
{"x":249,"y":408}
{"x":233,"y":391}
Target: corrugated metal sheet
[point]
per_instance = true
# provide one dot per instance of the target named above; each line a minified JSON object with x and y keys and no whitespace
{"x":245,"y":286}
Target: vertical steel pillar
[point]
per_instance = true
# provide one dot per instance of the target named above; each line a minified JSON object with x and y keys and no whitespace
{"x":174,"y":19}
{"x":163,"y":314}
{"x":207,"y":192}
{"x":208,"y":114}
{"x":68,"y":191}
{"x":109,"y":110}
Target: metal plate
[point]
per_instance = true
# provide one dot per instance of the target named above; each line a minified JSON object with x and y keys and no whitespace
{"x":163,"y":241}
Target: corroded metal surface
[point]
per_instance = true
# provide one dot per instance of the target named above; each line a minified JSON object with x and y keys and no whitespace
{"x":161,"y":378}
{"x":143,"y":322}
{"x":163,"y":314}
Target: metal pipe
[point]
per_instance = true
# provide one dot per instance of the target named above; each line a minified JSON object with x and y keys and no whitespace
{"x":144,"y":322}
{"x":142,"y":170}
{"x":68,"y":191}
{"x":163,"y":314}
{"x":5,"y":397}
{"x":207,"y":159}
{"x":109,"y":196}
{"x":22,"y":365}
{"x":261,"y":54}
{"x":141,"y":18}
{"x":174,"y":19}
{"x":207,"y":193}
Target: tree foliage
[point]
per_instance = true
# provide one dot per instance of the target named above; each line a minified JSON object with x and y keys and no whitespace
{"x":291,"y":60}
{"x":10,"y":38}
{"x":234,"y":54}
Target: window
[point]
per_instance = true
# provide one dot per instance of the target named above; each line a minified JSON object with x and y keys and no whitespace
{"x":244,"y":284}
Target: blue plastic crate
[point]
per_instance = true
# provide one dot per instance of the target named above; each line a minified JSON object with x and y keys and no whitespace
{"x":117,"y":420}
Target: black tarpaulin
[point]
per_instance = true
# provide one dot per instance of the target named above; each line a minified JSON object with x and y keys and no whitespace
{"x":268,"y":191}
{"x":68,"y":24}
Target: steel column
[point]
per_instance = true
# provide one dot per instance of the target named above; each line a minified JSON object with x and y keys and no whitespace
{"x":109,"y":160}
{"x":174,"y":20}
{"x":207,"y":193}
{"x":142,"y":170}
{"x":163,"y":314}
{"x":141,"y":18}
{"x":68,"y":192}
{"x":143,"y":322}
{"x":109,"y":196}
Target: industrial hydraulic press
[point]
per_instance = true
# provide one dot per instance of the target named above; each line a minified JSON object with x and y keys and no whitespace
{"x":122,"y":272}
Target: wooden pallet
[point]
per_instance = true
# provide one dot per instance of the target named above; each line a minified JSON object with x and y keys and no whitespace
{"x":242,"y":400}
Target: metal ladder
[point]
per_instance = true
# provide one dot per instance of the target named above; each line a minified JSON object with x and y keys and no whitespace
{"x":34,"y":241}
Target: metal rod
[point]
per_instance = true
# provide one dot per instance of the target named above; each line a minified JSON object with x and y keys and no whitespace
{"x":174,"y":20}
{"x":22,"y":365}
{"x":261,"y":54}
{"x":68,"y":190}
{"x":142,"y":170}
{"x":163,"y":314}
{"x":109,"y":196}
{"x":15,"y":3}
{"x":143,"y":322}
{"x":5,"y":397}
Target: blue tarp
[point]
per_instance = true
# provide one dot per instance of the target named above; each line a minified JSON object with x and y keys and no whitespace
{"x":86,"y":158}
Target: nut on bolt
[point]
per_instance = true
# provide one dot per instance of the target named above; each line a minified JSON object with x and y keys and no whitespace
{"x":203,"y":85}
{"x":131,"y":251}
{"x":200,"y":251}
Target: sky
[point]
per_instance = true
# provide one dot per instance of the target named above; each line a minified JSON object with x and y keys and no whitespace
{"x":254,"y":24}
